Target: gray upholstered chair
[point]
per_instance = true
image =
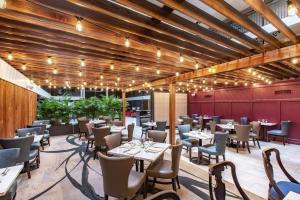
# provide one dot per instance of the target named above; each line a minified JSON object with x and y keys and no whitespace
{"x":43,"y":121}
{"x":26,"y":155}
{"x":117,"y":123}
{"x":157,"y":136}
{"x":43,"y":131}
{"x":161,"y":125}
{"x":145,"y":129}
{"x":82,"y":126}
{"x":244,"y":121}
{"x":242,"y":135}
{"x":188,"y":120}
{"x":99,"y":134}
{"x":113,"y":140}
{"x":90,"y":136}
{"x":254,"y":134}
{"x":281,"y":133}
{"x":8,"y":158}
{"x":23,"y":132}
{"x":129,"y":136}
{"x":187,"y":142}
{"x":213,"y":126}
{"x":108,"y":120}
{"x":199,"y":125}
{"x":119,"y":180}
{"x":216,"y":119}
{"x":166,"y":169}
{"x":216,"y":150}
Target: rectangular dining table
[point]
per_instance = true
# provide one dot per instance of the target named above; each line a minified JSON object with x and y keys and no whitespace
{"x":265,"y":126}
{"x":117,"y":129}
{"x":7,"y":180}
{"x":200,"y":135}
{"x":147,"y":151}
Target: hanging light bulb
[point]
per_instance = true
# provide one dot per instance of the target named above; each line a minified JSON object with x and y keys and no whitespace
{"x":292,"y":10}
{"x":177,"y":74}
{"x":79,"y":26}
{"x":215,"y":82}
{"x":80,"y":73}
{"x":54,"y":71}
{"x":54,"y":86}
{"x":158,"y":71}
{"x":118,"y":79}
{"x":133,"y":81}
{"x":137,"y":68}
{"x":49,"y":60}
{"x":112,"y":67}
{"x":249,"y":70}
{"x":127,"y":42}
{"x":196,"y":66}
{"x":47,"y":81}
{"x":158,"y":53}
{"x":181,"y":58}
{"x":101,"y":84}
{"x":84,"y":83}
{"x":236,"y":83}
{"x":226,"y":83}
{"x":245,"y":84}
{"x":82,"y":63}
{"x":24,"y":67}
{"x":295,"y":61}
{"x":10,"y":56}
{"x":101,"y":77}
{"x":2,"y":4}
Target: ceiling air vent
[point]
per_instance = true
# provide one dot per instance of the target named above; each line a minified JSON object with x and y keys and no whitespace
{"x":278,"y":92}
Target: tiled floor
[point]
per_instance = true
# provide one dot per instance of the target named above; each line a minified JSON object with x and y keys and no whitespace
{"x":250,"y":169}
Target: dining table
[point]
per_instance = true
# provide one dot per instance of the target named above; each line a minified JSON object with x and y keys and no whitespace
{"x":292,"y":196}
{"x":7,"y":177}
{"x":152,"y":125}
{"x":142,"y":151}
{"x":117,"y":129}
{"x":265,"y":125}
{"x":200,"y":135}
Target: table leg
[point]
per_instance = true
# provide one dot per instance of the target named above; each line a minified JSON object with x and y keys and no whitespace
{"x":141,"y":165}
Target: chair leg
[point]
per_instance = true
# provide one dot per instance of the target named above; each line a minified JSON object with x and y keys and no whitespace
{"x":248,"y":147}
{"x":95,"y":154}
{"x":237,"y":146}
{"x":174,"y":184}
{"x":223,"y":157}
{"x":106,"y":197}
{"x":254,"y":141}
{"x":136,"y":165}
{"x":153,"y":184}
{"x":209,"y":158}
{"x":283,"y":141}
{"x":27,"y":168}
{"x":217,"y":159}
{"x":177,"y":180}
{"x":49,"y":142}
{"x":87,"y":146}
{"x":257,"y":140}
{"x":37,"y":162}
{"x":190,"y":153}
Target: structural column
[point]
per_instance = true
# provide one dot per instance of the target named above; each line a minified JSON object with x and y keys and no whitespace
{"x":123,"y":107}
{"x":172,"y":112}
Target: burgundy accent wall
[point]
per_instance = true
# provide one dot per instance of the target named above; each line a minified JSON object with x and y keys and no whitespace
{"x":259,"y":102}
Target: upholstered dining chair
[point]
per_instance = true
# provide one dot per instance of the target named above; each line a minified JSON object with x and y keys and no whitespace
{"x":166,"y":169}
{"x":43,"y":131}
{"x":244,"y":121}
{"x":216,"y":119}
{"x":187,"y":142}
{"x":90,"y":136}
{"x":99,"y":134}
{"x":188,"y":120}
{"x":23,"y":132}
{"x":254,"y":134}
{"x":199,"y":125}
{"x":129,"y":136}
{"x":82,"y":126}
{"x":145,"y":129}
{"x":26,"y":155}
{"x":117,"y":123}
{"x":242,"y":135}
{"x":8,"y":158}
{"x":113,"y":140}
{"x":218,"y":190}
{"x":119,"y":180}
{"x":161,"y":125}
{"x":216,"y":150}
{"x":281,"y":133}
{"x":157,"y":136}
{"x":278,"y":190}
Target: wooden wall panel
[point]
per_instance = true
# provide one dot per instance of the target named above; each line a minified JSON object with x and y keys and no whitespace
{"x":17,"y":108}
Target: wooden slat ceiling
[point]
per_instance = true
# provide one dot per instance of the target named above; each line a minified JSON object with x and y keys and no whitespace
{"x":33,"y":30}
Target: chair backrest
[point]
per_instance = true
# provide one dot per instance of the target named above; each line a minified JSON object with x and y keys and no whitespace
{"x":23,"y":143}
{"x":226,"y":121}
{"x":242,"y":132}
{"x":266,"y":153}
{"x":9,"y":157}
{"x":255,"y":127}
{"x":37,"y":122}
{"x":213,"y":126}
{"x":113,"y":140}
{"x":219,"y":191}
{"x":157,"y":136}
{"x":117,"y":123}
{"x":188,"y":120}
{"x":22,"y":132}
{"x":244,"y":121}
{"x":200,"y":122}
{"x":216,"y":119}
{"x":89,"y":127}
{"x":161,"y":125}
{"x":130,"y":129}
{"x":176,"y":154}
{"x":285,"y":125}
{"x":108,"y":120}
{"x":221,"y":139}
{"x":115,"y":168}
{"x":99,"y":134}
{"x":41,"y":126}
{"x":183,"y":129}
{"x":164,"y":195}
{"x":82,"y":125}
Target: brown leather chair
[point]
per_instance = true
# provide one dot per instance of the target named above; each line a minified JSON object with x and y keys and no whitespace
{"x":113,"y":140}
{"x":157,"y":136}
{"x":82,"y":126}
{"x":166,"y":169}
{"x":117,"y":123}
{"x":188,"y":120}
{"x":90,"y":136}
{"x":119,"y":180}
{"x":99,"y":134}
{"x":130,"y":129}
{"x":242,"y":135}
{"x":254,"y":134}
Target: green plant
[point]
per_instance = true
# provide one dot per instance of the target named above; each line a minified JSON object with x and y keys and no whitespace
{"x":90,"y":108}
{"x":112,"y":106}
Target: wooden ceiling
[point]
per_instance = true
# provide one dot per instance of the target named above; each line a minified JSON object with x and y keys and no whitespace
{"x":33,"y":30}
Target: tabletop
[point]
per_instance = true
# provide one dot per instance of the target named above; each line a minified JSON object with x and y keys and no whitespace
{"x":268,"y":124}
{"x":37,"y":138}
{"x":200,"y":135}
{"x":150,"y":151}
{"x":149,"y":124}
{"x":292,"y":196}
{"x":7,"y":180}
{"x":117,"y":129}
{"x":98,"y":121}
{"x":226,"y":126}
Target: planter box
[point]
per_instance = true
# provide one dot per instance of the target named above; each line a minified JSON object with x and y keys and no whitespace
{"x":63,"y":129}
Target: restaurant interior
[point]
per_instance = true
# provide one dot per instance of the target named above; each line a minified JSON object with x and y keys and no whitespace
{"x":150,"y":99}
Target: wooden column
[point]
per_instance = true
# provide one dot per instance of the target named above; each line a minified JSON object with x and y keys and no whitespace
{"x":172,"y":112}
{"x":123,"y":107}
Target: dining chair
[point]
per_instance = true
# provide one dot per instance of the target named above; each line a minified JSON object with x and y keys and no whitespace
{"x":90,"y":136}
{"x":8,"y":158}
{"x":216,"y":150}
{"x":281,"y":133}
{"x":242,"y":135}
{"x":117,"y":123}
{"x":26,"y":155}
{"x":161,"y":125}
{"x":43,"y":121}
{"x":99,"y":134}
{"x":129,"y":136}
{"x":43,"y":131}
{"x":216,"y":119}
{"x":188,"y":120}
{"x":254,"y":134}
{"x":244,"y":121}
{"x":199,"y":125}
{"x":278,"y":190}
{"x":217,"y":190}
{"x":164,"y":195}
{"x":157,"y":136}
{"x":113,"y":140}
{"x":187,"y":142}
{"x":108,"y":120}
{"x":166,"y":169}
{"x":23,"y":132}
{"x":145,"y":129}
{"x":82,"y":126}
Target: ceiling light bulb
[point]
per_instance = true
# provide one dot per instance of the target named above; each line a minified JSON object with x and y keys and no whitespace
{"x":196,"y":66}
{"x":10,"y":56}
{"x":215,"y":82}
{"x":127,"y":42}
{"x":133,"y":81}
{"x":158,"y":53}
{"x":158,"y":71}
{"x":137,"y":68}
{"x":112,"y":67}
{"x":47,"y":81}
{"x":101,"y":84}
{"x":79,"y":26}
{"x":130,"y":85}
{"x":118,"y":79}
{"x":295,"y":61}
{"x":49,"y":60}
{"x":54,"y":71}
{"x":181,"y":58}
{"x":236,"y":83}
{"x":82,"y":63}
{"x":54,"y":86}
{"x":177,"y":73}
{"x":203,"y":81}
{"x":270,"y":82}
{"x":24,"y":67}
{"x":101,"y":77}
{"x":80,"y":73}
{"x":246,"y":84}
{"x":2,"y":4}
{"x":226,"y":83}
{"x":253,"y":73}
{"x":209,"y":70}
{"x":84,"y":83}
{"x":250,"y":70}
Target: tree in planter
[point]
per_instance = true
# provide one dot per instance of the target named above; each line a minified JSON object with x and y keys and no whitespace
{"x":91,"y":108}
{"x":112,"y":106}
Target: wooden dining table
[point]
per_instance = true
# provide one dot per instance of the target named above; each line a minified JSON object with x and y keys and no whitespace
{"x":147,"y":151}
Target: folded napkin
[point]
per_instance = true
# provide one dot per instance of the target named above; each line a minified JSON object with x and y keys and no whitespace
{"x":133,"y":151}
{"x":153,"y":149}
